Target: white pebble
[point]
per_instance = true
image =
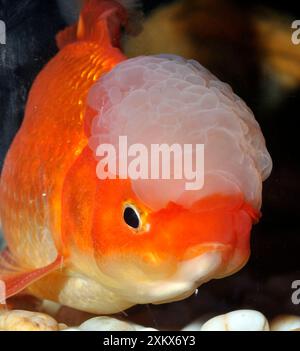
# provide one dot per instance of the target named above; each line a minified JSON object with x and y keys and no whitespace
{"x":138,"y":327}
{"x":18,"y":320}
{"x":197,"y":323}
{"x":240,"y":320}
{"x":194,"y":326}
{"x":141,"y":328}
{"x":71,"y":329}
{"x":285,"y":323}
{"x":106,"y":324}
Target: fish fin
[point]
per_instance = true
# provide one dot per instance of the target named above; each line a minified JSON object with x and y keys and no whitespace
{"x":16,"y":278}
{"x":66,"y":36}
{"x":100,"y":21}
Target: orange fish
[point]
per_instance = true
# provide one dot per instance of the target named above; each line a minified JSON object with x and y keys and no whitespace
{"x":104,"y":245}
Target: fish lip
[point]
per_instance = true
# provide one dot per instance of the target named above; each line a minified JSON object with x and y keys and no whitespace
{"x":202,"y":248}
{"x":189,"y":276}
{"x":191,"y":272}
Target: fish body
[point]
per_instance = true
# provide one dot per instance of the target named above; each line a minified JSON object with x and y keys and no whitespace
{"x":31,"y":218}
{"x":66,"y":236}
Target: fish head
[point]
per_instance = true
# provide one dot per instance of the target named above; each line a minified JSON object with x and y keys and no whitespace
{"x":162,"y":255}
{"x":153,"y":238}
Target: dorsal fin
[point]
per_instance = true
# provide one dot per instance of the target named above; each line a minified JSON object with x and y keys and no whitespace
{"x":100,"y":20}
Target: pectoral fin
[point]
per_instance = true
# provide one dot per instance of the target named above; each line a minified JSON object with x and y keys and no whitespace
{"x":16,"y":278}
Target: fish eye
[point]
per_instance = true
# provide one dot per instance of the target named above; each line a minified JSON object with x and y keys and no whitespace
{"x":132,"y":216}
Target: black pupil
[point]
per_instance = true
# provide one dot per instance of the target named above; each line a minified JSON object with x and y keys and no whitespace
{"x":131,"y":218}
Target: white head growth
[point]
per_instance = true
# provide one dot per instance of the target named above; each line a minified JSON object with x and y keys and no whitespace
{"x":165,"y":100}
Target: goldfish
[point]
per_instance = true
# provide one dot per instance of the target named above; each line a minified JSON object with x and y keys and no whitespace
{"x":104,"y":245}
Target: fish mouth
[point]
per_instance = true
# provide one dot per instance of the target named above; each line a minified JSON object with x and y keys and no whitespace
{"x":175,"y":280}
{"x":190,"y":274}
{"x":197,"y":250}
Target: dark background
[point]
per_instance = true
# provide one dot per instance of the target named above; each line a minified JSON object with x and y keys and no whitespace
{"x":265,"y":283}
